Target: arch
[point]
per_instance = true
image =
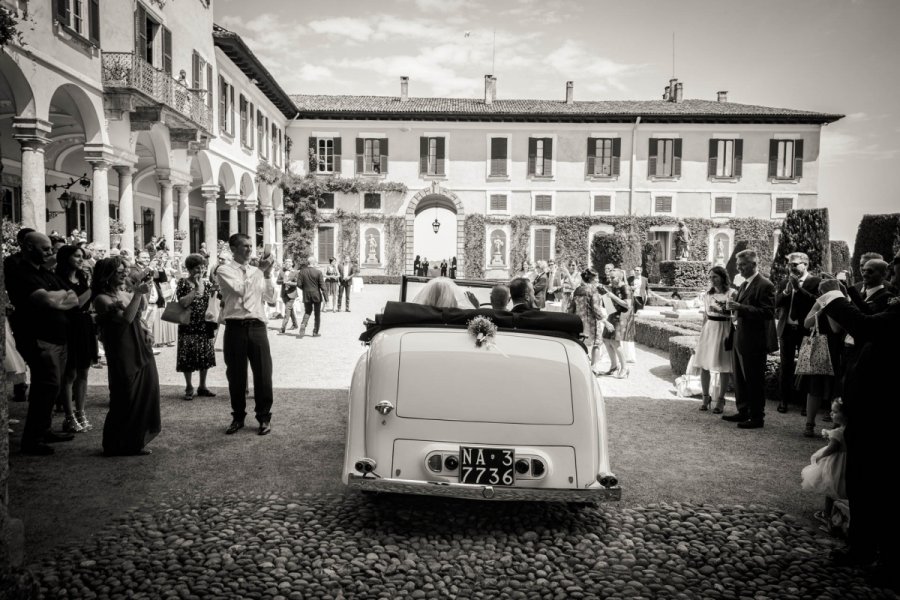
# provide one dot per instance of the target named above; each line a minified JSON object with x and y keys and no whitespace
{"x":90,"y":115}
{"x":18,"y":87}
{"x":248,"y":189}
{"x":226,"y":178}
{"x":264,"y":194}
{"x":201,"y":168}
{"x":435,"y":195}
{"x":278,"y":198}
{"x":63,"y":149}
{"x":156,"y":141}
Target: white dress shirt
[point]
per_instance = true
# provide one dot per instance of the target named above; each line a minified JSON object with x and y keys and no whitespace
{"x":244,"y":291}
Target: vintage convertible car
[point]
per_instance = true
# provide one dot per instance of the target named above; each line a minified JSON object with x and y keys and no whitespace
{"x":518,"y":417}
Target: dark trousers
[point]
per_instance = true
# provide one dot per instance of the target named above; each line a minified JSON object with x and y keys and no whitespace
{"x":308,"y":308}
{"x":749,"y":366}
{"x":48,"y":365}
{"x":344,"y":290}
{"x":245,"y":340}
{"x":791,"y":339}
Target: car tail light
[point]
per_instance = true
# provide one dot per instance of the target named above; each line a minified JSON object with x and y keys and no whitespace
{"x":435,"y":462}
{"x":451,"y":462}
{"x":365,"y":465}
{"x":537,"y":467}
{"x":608,"y":480}
{"x":522,"y":466}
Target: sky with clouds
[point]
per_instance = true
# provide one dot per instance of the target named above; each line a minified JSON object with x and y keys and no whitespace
{"x":835,"y":56}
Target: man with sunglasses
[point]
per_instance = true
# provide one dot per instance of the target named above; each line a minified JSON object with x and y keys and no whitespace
{"x":793,"y":301}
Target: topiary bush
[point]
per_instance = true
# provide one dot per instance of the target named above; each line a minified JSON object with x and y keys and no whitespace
{"x":655,"y":333}
{"x":650,"y":253}
{"x":685,"y":273}
{"x":763,"y":254}
{"x":876,"y":233}
{"x":614,"y":248}
{"x":681,"y":347}
{"x":804,"y":230}
{"x":840,"y":256}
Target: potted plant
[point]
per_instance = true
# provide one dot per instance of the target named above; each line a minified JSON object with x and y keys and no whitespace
{"x":116,"y":229}
{"x":180,"y":236}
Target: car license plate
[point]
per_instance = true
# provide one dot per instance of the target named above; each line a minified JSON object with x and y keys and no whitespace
{"x":487,"y":466}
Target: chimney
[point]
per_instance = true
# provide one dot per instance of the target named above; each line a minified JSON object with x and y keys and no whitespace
{"x":679,"y":92}
{"x":490,"y":90}
{"x":404,"y":88}
{"x":722,"y":96}
{"x":673,"y":85}
{"x":570,"y":92}
{"x":666,"y":94}
{"x":493,"y":88}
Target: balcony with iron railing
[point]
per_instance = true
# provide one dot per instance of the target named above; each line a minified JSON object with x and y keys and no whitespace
{"x":128,"y":72}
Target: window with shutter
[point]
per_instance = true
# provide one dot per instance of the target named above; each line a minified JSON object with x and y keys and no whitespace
{"x":783,"y":158}
{"x":603,"y":203}
{"x":94,"y":21}
{"x":665,"y":158}
{"x":325,"y":244}
{"x":722,"y":205}
{"x":327,"y":201}
{"x":543,"y":203}
{"x":261,"y":134}
{"x":245,"y":125}
{"x":542,"y":239}
{"x":662,"y":204}
{"x":325,"y":155}
{"x":539,"y":158}
{"x":231,"y":109}
{"x":783,"y":205}
{"x":167,"y":50}
{"x":722,"y":158}
{"x":223,"y":105}
{"x":431,"y":156}
{"x":498,"y":202}
{"x":372,"y":201}
{"x":372,"y":155}
{"x":209,"y":86}
{"x":603,"y":157}
{"x":498,"y":157}
{"x":196,"y":70}
{"x":78,"y":16}
{"x":11,"y":205}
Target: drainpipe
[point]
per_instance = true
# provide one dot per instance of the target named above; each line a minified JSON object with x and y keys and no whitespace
{"x":631,"y":166}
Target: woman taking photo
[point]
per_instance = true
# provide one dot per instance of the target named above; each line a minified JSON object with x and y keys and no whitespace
{"x":133,"y":418}
{"x":195,"y":346}
{"x":587,"y":304}
{"x":82,"y":343}
{"x":711,"y":355}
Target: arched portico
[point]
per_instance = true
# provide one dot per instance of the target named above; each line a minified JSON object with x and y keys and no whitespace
{"x":430,"y":197}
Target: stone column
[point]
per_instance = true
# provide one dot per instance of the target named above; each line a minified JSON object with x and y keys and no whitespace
{"x":32,"y":136}
{"x":167,"y":214}
{"x":184,"y":218}
{"x":211,"y":220}
{"x":126,"y":205}
{"x":100,"y":203}
{"x":250,"y":207}
{"x":233,"y":201}
{"x":268,"y":224}
{"x":279,"y":236}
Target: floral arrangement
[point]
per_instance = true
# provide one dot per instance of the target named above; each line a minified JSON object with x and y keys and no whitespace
{"x":116,"y":227}
{"x":180,"y":234}
{"x":483,"y":329}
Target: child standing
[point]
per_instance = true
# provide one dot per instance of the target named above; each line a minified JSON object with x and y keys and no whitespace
{"x":826,"y":472}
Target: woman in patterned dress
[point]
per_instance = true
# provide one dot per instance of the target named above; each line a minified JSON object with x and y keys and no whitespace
{"x":195,"y":346}
{"x":586,"y":303}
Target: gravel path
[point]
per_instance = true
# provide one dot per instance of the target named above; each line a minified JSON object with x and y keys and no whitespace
{"x":328,"y":546}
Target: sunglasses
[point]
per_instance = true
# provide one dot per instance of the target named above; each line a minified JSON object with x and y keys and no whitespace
{"x":797,"y":264}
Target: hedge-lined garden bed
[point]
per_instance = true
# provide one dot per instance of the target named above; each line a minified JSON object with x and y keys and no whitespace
{"x":681,"y":347}
{"x":685,"y":273}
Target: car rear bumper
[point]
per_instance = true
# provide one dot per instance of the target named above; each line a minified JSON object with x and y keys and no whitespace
{"x":483,"y":492}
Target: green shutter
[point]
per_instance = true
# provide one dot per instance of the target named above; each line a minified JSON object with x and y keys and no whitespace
{"x":798,"y":159}
{"x":676,"y":157}
{"x":62,"y":15}
{"x":94,"y":20}
{"x":384,"y":155}
{"x":195,"y":70}
{"x":616,"y":155}
{"x":140,"y":31}
{"x":713,"y":156}
{"x":360,"y":155}
{"x":591,"y":155}
{"x":337,"y":155}
{"x":651,"y":158}
{"x":167,"y":50}
{"x":738,"y":156}
{"x":498,"y":157}
{"x":423,"y":155}
{"x":548,"y":157}
{"x":773,"y":158}
{"x":440,"y":162}
{"x":532,"y":152}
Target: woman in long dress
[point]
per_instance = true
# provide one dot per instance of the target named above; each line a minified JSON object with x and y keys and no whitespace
{"x":133,"y":418}
{"x":587,"y":304}
{"x":711,"y":355}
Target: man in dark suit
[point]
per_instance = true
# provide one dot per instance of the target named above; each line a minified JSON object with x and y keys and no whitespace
{"x":346,"y":271}
{"x":754,"y":314}
{"x":521,"y":293}
{"x":872,"y":410}
{"x":873,"y":296}
{"x":640,"y":286}
{"x":793,"y":301}
{"x":312,"y":285}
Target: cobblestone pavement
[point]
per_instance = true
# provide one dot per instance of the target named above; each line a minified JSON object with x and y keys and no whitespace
{"x":283,"y":547}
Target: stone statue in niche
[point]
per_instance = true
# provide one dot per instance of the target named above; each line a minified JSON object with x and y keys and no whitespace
{"x":497,"y":257}
{"x":372,"y":246}
{"x":719,"y":257}
{"x":682,"y":242}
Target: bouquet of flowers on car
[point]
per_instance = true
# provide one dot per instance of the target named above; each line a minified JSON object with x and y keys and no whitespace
{"x":483,"y":329}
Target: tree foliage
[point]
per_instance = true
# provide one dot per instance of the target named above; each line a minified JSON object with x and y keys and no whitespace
{"x":804,"y":230}
{"x":876,"y":233}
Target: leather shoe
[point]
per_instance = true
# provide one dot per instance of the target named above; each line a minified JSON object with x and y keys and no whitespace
{"x":782,"y":408}
{"x":51,"y":437}
{"x":234,"y":427}
{"x":735,"y":418}
{"x":205,"y":392}
{"x":750,"y":424}
{"x":37,"y":450}
{"x":264,"y":428}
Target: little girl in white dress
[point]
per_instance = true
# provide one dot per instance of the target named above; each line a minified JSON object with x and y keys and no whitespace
{"x":826,"y":472}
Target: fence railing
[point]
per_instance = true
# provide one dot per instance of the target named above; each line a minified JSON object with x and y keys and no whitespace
{"x":128,"y":70}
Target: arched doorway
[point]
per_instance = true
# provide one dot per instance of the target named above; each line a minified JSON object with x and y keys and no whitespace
{"x":435,"y":203}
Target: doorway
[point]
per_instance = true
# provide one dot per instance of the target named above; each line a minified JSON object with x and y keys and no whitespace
{"x":435,"y":245}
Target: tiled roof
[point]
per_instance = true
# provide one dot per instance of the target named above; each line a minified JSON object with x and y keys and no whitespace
{"x":468,"y":109}
{"x":240,"y":54}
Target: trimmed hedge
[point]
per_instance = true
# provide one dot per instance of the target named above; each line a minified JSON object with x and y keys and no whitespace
{"x":614,"y":248}
{"x":656,"y":333}
{"x":381,"y":279}
{"x":876,"y":233}
{"x":681,"y":347}
{"x":763,"y":254}
{"x":840,"y":256}
{"x":804,"y":230}
{"x":650,"y":253}
{"x":685,"y":273}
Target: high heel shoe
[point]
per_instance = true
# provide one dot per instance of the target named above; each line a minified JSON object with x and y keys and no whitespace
{"x":70,"y":425}
{"x":720,"y":406}
{"x":623,"y":373}
{"x":707,"y":400}
{"x":82,"y":420}
{"x":610,"y":372}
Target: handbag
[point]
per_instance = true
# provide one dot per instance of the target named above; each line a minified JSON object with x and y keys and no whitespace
{"x":814,"y":357}
{"x":176,"y":313}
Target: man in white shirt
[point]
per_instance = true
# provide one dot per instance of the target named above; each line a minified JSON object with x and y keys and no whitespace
{"x":245,"y":290}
